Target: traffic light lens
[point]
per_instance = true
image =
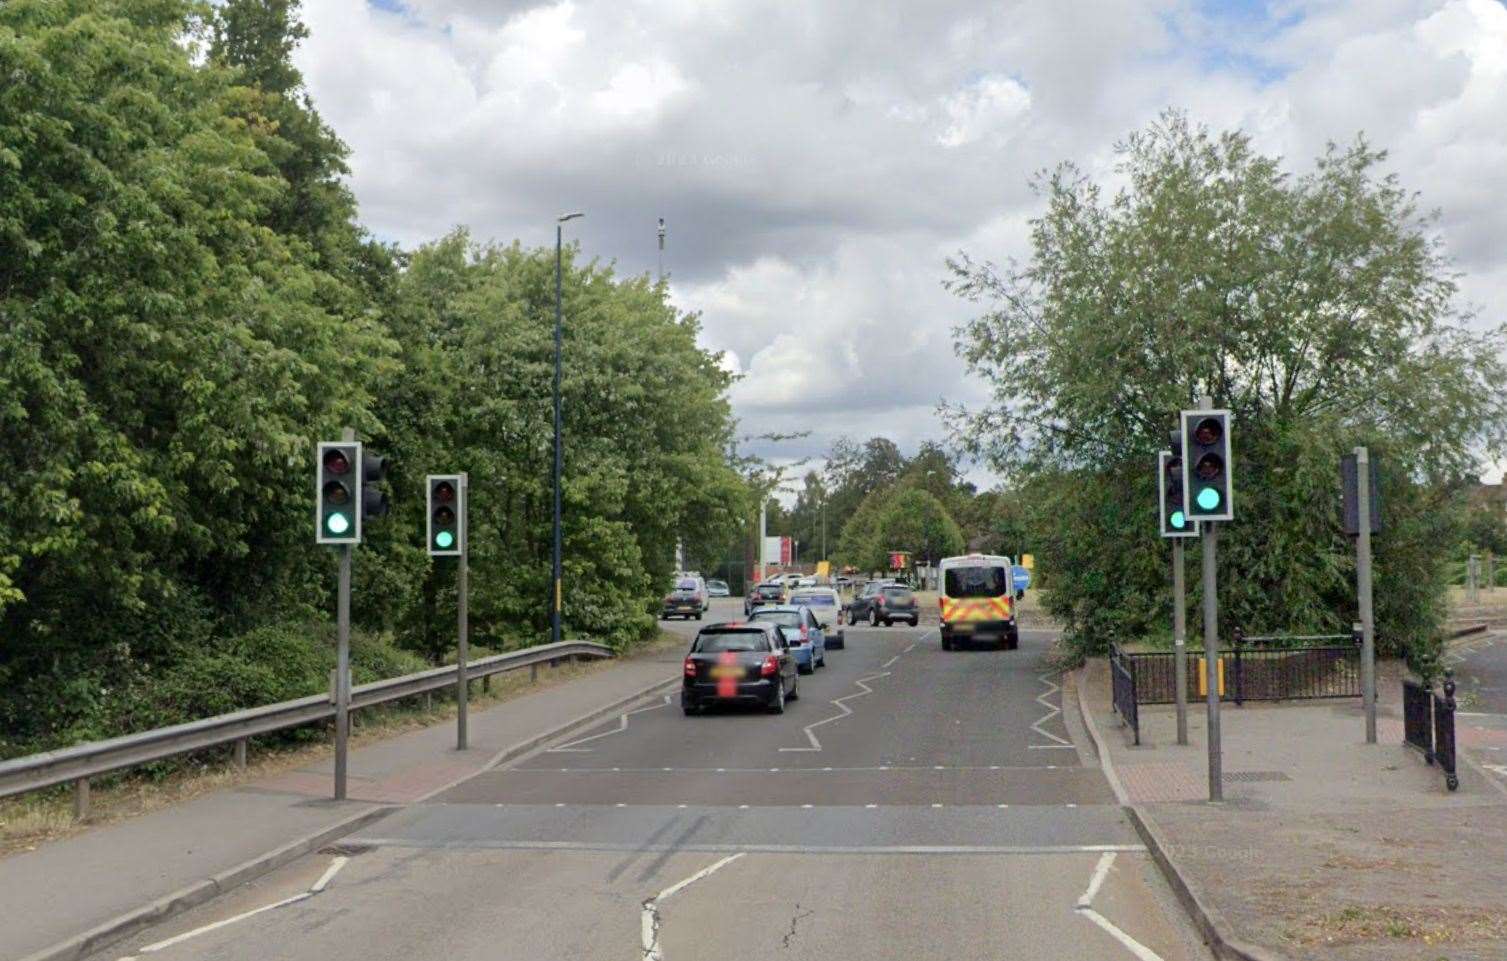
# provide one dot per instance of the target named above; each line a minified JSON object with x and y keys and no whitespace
{"x":1210,"y":466}
{"x":337,"y":523}
{"x":1208,"y":431}
{"x":444,"y":493}
{"x":444,"y":517}
{"x":336,"y":493}
{"x":335,"y":462}
{"x":1208,"y":498}
{"x":1178,"y":520}
{"x":444,"y":539}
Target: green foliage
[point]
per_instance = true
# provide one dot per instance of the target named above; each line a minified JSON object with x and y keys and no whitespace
{"x":1318,"y":308}
{"x":899,"y":519}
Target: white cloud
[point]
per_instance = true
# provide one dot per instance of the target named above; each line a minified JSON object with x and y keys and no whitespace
{"x":816,"y":162}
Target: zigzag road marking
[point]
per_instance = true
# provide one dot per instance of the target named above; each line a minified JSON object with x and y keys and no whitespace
{"x":838,"y":703}
{"x":622,"y":725}
{"x":1052,"y":711}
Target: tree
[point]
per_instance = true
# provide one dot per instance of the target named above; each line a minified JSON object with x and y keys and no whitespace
{"x":1319,"y":308}
{"x":917,"y":523}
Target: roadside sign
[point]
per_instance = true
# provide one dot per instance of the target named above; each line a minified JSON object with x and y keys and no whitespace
{"x":1022,"y":577}
{"x":1028,"y":561}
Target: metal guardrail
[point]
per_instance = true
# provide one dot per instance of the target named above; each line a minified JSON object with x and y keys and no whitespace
{"x":1264,"y":668}
{"x":82,"y":761}
{"x":1122,"y":675}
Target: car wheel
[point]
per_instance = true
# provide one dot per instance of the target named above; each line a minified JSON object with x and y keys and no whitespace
{"x":698,"y":617}
{"x":914,"y":621}
{"x":777,"y":705}
{"x":795,"y":690}
{"x":873,"y":618}
{"x":888,"y":622}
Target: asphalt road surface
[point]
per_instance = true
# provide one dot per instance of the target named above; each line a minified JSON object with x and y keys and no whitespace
{"x":912,"y":804}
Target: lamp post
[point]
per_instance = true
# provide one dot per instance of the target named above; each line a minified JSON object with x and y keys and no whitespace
{"x":554,"y":617}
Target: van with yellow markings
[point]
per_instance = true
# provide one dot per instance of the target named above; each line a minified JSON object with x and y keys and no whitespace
{"x":977,"y":598}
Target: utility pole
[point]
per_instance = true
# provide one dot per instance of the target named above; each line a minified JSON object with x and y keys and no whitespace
{"x":557,"y":599}
{"x":1208,"y":473}
{"x":463,"y":649}
{"x":763,"y":549}
{"x":661,"y":250}
{"x":1180,"y":639}
{"x":1363,"y":588}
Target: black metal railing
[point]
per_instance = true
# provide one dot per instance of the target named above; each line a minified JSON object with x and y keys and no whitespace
{"x":1122,"y":673}
{"x":1428,"y":724}
{"x":1262,"y":668}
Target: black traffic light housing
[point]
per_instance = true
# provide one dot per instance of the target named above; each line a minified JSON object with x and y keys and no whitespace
{"x":1208,"y":479}
{"x":1173,"y":506}
{"x":373,"y":498}
{"x":445,"y":505}
{"x":337,"y":492}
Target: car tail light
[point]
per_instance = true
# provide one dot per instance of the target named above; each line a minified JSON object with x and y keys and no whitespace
{"x":805,"y":635}
{"x":770,"y":666}
{"x":690,"y":668}
{"x":879,"y":600}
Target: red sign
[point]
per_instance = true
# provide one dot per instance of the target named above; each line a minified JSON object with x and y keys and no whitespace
{"x":786,"y":552}
{"x":898,"y":560}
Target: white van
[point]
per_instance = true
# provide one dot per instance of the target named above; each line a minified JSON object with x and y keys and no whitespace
{"x":977,"y":597}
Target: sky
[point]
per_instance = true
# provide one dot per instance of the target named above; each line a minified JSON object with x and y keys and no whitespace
{"x":816,"y":162}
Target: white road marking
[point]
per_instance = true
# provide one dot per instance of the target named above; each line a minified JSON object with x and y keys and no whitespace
{"x":489,"y":845}
{"x":891,"y":661}
{"x":816,"y":745}
{"x":1085,"y":908}
{"x":329,"y":874}
{"x":649,"y":920}
{"x":570,"y":747}
{"x":1052,"y":711}
{"x":324,"y":880}
{"x":1049,"y":747}
{"x":909,"y":649}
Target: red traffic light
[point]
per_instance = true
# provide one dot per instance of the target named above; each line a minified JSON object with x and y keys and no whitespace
{"x":1208,"y":432}
{"x":335,"y":462}
{"x":444,"y":492}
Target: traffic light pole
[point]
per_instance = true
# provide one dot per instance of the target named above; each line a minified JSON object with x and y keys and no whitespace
{"x":1209,"y":531}
{"x":1180,"y":639}
{"x":462,"y":589}
{"x":1363,"y":588}
{"x":342,"y":671}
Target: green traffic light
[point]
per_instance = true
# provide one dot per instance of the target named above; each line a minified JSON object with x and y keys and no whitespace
{"x":1178,"y":520}
{"x":337,"y":523}
{"x":444,"y":540}
{"x":1208,"y":499}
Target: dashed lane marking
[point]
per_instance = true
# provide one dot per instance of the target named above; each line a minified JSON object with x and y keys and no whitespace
{"x":622,"y":725}
{"x":812,"y":849}
{"x":794,"y":770}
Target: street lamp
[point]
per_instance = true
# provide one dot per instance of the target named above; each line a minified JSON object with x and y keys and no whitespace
{"x":554,"y":618}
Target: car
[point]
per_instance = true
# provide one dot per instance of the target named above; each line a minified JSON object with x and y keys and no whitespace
{"x":805,"y":582}
{"x":884,"y":602}
{"x":715,"y":588}
{"x":768,"y":592}
{"x":826,"y":604}
{"x":803,"y":632}
{"x":977,"y":601}
{"x":736,"y":663}
{"x":687,"y":599}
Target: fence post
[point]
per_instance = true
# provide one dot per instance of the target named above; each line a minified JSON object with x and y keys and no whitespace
{"x":81,"y":799}
{"x":240,"y":754}
{"x":486,"y":684}
{"x":1444,"y":732}
{"x":1238,"y":669}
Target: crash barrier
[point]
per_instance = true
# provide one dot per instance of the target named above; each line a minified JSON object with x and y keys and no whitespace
{"x":1428,"y":724}
{"x":1122,"y":672}
{"x":1259,"y":668}
{"x":77,"y":764}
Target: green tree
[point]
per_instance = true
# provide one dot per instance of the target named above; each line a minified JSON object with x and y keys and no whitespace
{"x":1319,"y":308}
{"x":916,"y":522}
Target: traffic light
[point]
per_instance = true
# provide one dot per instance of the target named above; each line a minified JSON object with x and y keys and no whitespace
{"x":1207,"y":467}
{"x":373,"y":498}
{"x":1174,"y":507}
{"x":447,"y":512}
{"x":337,"y":514}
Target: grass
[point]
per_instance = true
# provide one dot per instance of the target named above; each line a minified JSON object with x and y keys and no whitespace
{"x":31,"y":820}
{"x":1425,"y":925}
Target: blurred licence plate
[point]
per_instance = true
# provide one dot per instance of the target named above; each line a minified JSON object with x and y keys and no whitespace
{"x":962,"y":628}
{"x":724,"y":672}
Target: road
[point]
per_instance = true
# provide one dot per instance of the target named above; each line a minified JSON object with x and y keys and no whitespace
{"x":912,"y":804}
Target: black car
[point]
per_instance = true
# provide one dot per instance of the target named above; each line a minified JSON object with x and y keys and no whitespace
{"x":688,"y":599}
{"x":884,"y":603}
{"x":767,"y":593}
{"x":739,"y":663}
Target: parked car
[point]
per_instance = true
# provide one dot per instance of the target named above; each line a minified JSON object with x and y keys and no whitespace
{"x":826,"y":604}
{"x":882,"y":602}
{"x":688,"y":599}
{"x":715,"y":588}
{"x":803,"y":632}
{"x":768,"y":592}
{"x":805,"y":581}
{"x":733,"y":663}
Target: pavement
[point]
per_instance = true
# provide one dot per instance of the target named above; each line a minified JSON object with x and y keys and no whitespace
{"x":1324,"y":847}
{"x":197,"y":849}
{"x":913,"y":803}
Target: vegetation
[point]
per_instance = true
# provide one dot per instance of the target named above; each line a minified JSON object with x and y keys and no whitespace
{"x":187,"y":303}
{"x":1319,"y":308}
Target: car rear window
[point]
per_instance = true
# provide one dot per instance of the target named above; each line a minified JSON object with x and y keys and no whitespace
{"x":770,"y":590}
{"x":897,"y":593}
{"x":782,"y":618}
{"x":685,"y":584}
{"x":814,"y":600}
{"x":713,"y":642}
{"x":976,"y":582}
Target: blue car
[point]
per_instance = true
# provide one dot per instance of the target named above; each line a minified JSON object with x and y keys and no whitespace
{"x":803,"y":632}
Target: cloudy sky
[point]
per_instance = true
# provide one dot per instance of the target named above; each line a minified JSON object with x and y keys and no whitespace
{"x":816,"y":161}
